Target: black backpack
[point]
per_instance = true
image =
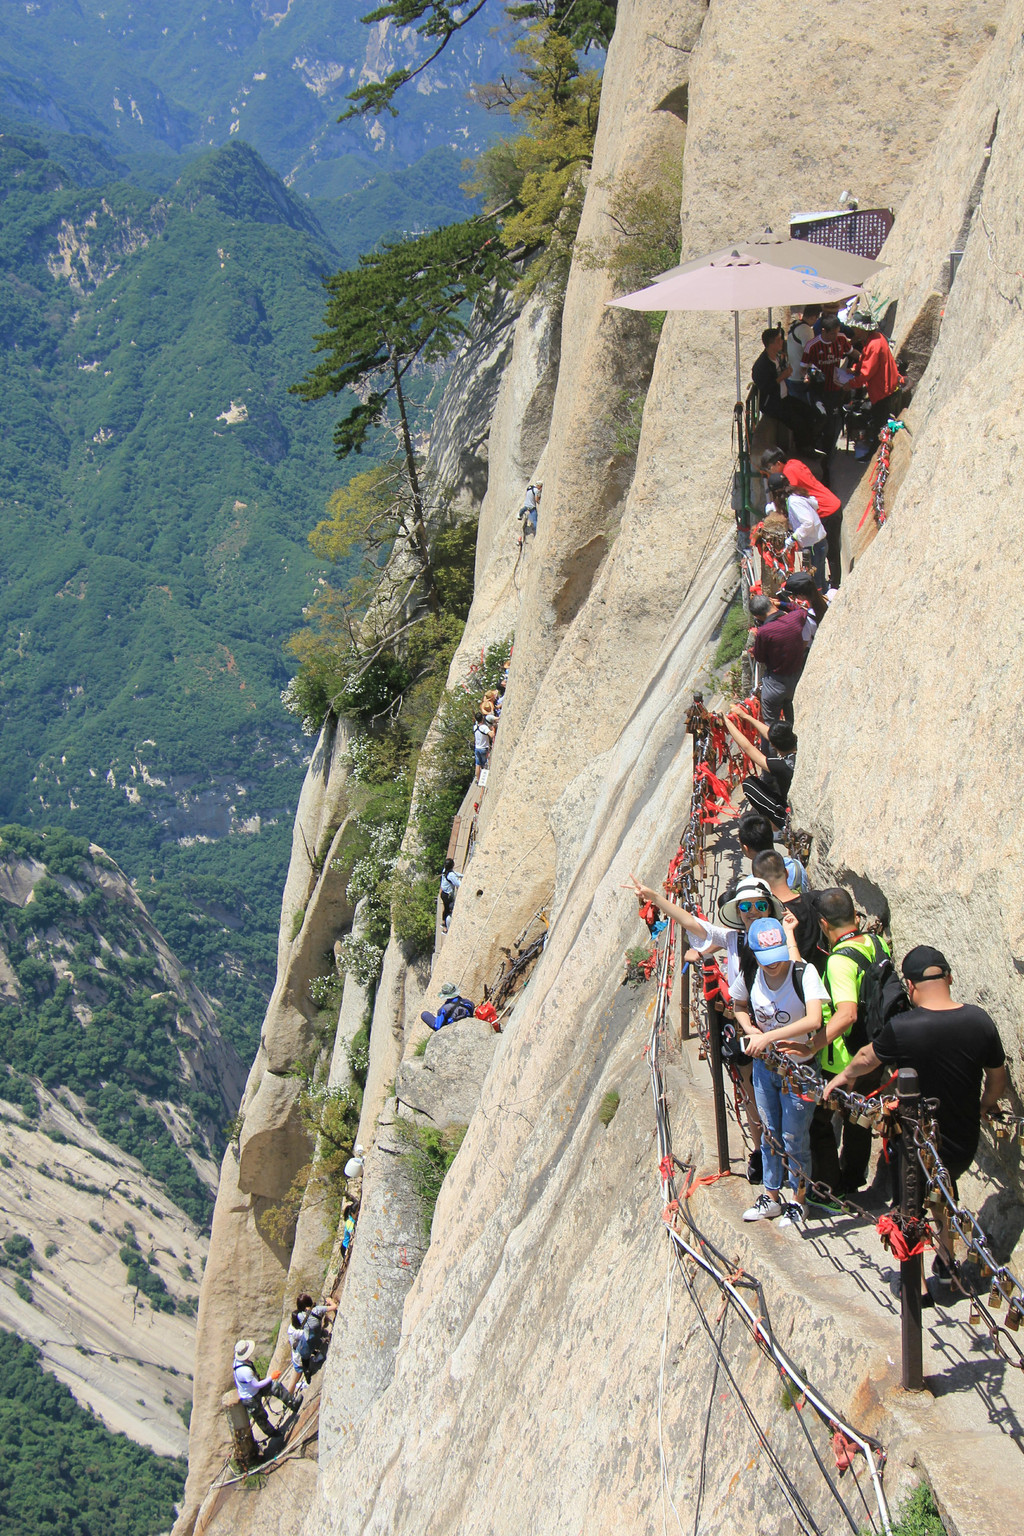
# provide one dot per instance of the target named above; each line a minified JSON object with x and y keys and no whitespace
{"x":880,"y":998}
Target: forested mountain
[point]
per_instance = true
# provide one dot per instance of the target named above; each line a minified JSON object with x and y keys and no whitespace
{"x":156,"y":484}
{"x":157,"y":81}
{"x":158,"y":296}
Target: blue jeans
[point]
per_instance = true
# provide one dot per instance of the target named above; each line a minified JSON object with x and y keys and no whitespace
{"x":787,"y":1122}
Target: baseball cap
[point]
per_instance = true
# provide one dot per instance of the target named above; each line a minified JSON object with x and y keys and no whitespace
{"x":767,"y":939}
{"x":924,"y":958}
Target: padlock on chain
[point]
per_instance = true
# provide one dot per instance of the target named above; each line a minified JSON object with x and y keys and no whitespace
{"x":1013,"y":1318}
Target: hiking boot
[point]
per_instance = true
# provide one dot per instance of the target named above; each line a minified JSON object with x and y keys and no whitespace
{"x":793,"y":1216}
{"x":823,"y":1202}
{"x":764,"y":1208}
{"x":755,"y":1167}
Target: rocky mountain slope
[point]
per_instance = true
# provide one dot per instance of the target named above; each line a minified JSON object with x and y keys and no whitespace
{"x":537,"y":1371}
{"x":117,"y":1087}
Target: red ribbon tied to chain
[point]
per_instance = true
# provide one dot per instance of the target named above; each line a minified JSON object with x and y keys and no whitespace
{"x":716,"y":796}
{"x":895,"y":1239}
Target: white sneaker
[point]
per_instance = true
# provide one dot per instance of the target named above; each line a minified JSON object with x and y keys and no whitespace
{"x":793,"y":1216}
{"x":764,"y":1208}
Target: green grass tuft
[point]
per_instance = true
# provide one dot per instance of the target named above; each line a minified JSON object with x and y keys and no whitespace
{"x":609,"y":1104}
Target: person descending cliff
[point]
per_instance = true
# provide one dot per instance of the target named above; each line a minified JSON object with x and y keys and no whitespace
{"x":529,"y":508}
{"x":767,"y":794}
{"x":450,"y":882}
{"x":252,"y":1391}
{"x":308,"y":1336}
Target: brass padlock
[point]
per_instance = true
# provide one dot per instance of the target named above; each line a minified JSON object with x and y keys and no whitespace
{"x":995,"y":1300}
{"x":1013,"y":1319}
{"x":975,"y":1318}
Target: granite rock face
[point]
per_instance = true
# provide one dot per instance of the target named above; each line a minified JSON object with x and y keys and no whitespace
{"x":916,"y":806}
{"x":513,"y":1384}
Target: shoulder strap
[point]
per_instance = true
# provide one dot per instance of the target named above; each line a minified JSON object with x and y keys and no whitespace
{"x":798,"y":980}
{"x":857,"y":955}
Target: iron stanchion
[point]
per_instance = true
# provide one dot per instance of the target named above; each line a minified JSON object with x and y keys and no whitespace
{"x":908,"y":1091}
{"x":718,"y":1081}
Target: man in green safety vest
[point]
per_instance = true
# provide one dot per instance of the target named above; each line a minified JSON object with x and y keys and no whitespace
{"x":850,"y":953}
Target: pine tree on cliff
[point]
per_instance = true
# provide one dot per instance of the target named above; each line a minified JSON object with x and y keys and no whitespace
{"x":405,"y":304}
{"x":585,"y":23}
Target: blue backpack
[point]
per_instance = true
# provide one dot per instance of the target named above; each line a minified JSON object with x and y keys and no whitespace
{"x":451,"y":1009}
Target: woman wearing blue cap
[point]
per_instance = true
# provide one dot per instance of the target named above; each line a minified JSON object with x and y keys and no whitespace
{"x":785,"y":1000}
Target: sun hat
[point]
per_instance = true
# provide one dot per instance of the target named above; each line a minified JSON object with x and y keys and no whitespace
{"x":924,"y":958}
{"x":244,"y":1350}
{"x":767,"y":939}
{"x":864,"y":320}
{"x":748,"y":889}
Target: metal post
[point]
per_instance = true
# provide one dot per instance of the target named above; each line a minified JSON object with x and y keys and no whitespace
{"x":684,"y":986}
{"x":908,"y":1092}
{"x":718,"y":1082}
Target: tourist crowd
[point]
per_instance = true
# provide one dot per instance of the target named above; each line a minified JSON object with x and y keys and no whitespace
{"x":798,"y":971}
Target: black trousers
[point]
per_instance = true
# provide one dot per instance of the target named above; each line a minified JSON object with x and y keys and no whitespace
{"x":833,"y":526}
{"x":799,"y":417}
{"x":845,"y":1168}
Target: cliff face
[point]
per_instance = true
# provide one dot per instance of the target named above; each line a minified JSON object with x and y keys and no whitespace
{"x":525,"y":1389}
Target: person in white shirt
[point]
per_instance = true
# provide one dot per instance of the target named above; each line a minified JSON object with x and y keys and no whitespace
{"x":528,"y":511}
{"x":786,"y":1003}
{"x":805,"y":526}
{"x":749,"y":901}
{"x":251,"y":1390}
{"x":483,"y":736}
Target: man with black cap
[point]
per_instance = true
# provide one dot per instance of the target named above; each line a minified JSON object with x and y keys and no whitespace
{"x":955,"y":1050}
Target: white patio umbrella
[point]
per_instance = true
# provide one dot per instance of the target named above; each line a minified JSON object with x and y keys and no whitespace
{"x":736,"y":279}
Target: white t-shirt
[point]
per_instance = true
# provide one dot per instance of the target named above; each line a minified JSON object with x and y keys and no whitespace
{"x":481,"y":738}
{"x":804,"y":522}
{"x":722,"y":938}
{"x":773,"y":1010}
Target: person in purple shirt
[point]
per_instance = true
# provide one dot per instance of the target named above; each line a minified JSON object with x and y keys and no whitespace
{"x":780,"y":651}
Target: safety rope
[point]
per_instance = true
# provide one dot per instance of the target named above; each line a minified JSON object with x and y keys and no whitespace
{"x":695,"y":1246}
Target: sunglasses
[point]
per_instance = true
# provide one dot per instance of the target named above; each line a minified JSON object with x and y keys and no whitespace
{"x":753,"y":906}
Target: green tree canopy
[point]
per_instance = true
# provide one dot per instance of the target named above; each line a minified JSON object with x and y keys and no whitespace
{"x":406,"y":304}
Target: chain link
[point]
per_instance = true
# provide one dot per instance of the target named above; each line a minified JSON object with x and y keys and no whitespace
{"x":688,"y":873}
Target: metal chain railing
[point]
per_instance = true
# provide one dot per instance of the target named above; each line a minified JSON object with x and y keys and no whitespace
{"x":689,"y":878}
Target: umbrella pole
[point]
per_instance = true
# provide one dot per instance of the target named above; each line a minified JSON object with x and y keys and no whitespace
{"x":741,"y":495}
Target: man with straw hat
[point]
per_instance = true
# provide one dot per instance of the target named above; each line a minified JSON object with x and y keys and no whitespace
{"x":251,"y":1391}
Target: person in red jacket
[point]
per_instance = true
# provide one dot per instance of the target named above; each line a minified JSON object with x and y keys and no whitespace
{"x":830,"y":508}
{"x":877,"y":373}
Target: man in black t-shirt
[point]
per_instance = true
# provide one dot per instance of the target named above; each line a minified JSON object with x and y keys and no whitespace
{"x":955,"y":1050}
{"x":768,"y":375}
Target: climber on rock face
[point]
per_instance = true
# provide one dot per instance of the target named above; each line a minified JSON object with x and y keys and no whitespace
{"x":450,"y":882}
{"x":252,"y":1391}
{"x":529,"y":508}
{"x":307,"y":1336}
